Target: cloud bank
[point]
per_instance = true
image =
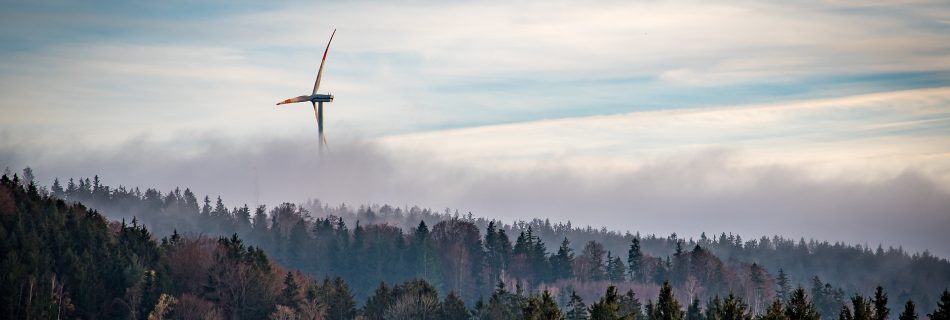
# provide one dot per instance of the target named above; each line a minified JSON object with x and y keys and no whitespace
{"x":703,"y":191}
{"x":873,"y":169}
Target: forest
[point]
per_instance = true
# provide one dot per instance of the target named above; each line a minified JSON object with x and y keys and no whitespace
{"x":88,"y":250}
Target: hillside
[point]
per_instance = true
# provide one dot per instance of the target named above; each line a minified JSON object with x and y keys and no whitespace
{"x":468,"y":255}
{"x":64,"y":260}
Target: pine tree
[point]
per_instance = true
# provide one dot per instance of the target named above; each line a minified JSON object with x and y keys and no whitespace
{"x":630,"y":306}
{"x":774,"y":312}
{"x":242,"y":217}
{"x":680,"y":265}
{"x":881,"y":311}
{"x":497,"y":250}
{"x":783,"y":286}
{"x":615,"y":268}
{"x":713,"y":308}
{"x":57,"y":189}
{"x":694,"y":312}
{"x":576,"y":309}
{"x":826,"y":298}
{"x":943,"y":308}
{"x":502,"y":304}
{"x":635,"y":260}
{"x":220,"y":211}
{"x":561,"y":263}
{"x":426,"y":264}
{"x":594,"y":256}
{"x":845,"y":313}
{"x":667,"y":308}
{"x":608,"y":308}
{"x":910,"y":312}
{"x":733,"y":308}
{"x":453,"y":308}
{"x":290,"y":296}
{"x":549,"y":308}
{"x":377,"y":304}
{"x":541,"y":307}
{"x":861,"y":308}
{"x":339,"y":300}
{"x":206,"y":208}
{"x":799,"y":307}
{"x":540,"y":267}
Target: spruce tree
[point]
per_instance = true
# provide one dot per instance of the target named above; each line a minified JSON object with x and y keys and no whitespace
{"x":630,"y":306}
{"x":615,"y":268}
{"x":608,"y":308}
{"x":943,"y":308}
{"x":561,"y":263}
{"x":881,"y":311}
{"x":549,"y":308}
{"x":910,"y":312}
{"x":845,"y":313}
{"x":635,"y":260}
{"x":861,"y":308}
{"x":497,"y":251}
{"x":667,"y":308}
{"x":426,"y":263}
{"x":680,"y":265}
{"x":594,"y":253}
{"x":774,"y":312}
{"x":541,"y":307}
{"x":57,"y":189}
{"x":377,"y":304}
{"x":733,"y":308}
{"x":576,"y":309}
{"x":453,"y":308}
{"x":783,"y":286}
{"x":799,"y":307}
{"x":340,"y":304}
{"x":713,"y":309}
{"x":532,"y":309}
{"x":694,"y":312}
{"x":502,"y":304}
{"x":290,"y":295}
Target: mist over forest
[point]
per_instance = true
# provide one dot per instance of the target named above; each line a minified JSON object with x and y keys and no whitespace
{"x":687,"y":193}
{"x":472,"y":257}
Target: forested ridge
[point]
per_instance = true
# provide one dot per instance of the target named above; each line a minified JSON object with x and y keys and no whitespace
{"x":401,"y":261}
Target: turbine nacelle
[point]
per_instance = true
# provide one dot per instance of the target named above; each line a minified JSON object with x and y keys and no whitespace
{"x":310,"y":98}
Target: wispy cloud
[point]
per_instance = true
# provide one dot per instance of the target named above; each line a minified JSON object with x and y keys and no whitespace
{"x":863,"y":136}
{"x":437,"y":65}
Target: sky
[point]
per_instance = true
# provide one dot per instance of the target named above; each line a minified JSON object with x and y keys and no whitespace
{"x":823,"y":119}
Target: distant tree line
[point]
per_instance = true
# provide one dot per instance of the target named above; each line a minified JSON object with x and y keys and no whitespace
{"x":474,"y":259}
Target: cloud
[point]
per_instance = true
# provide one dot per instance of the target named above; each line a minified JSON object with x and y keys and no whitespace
{"x":151,"y":69}
{"x":858,"y":137}
{"x":710,"y":190}
{"x":863,"y":169}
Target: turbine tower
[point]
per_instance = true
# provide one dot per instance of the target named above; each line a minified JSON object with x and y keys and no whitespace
{"x":316,"y":99}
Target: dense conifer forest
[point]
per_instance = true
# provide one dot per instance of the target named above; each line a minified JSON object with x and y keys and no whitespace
{"x":82,"y":249}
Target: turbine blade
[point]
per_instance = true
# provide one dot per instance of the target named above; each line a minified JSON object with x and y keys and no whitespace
{"x":316,"y":85}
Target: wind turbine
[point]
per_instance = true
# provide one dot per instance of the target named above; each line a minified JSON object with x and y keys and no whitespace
{"x":315,"y":99}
